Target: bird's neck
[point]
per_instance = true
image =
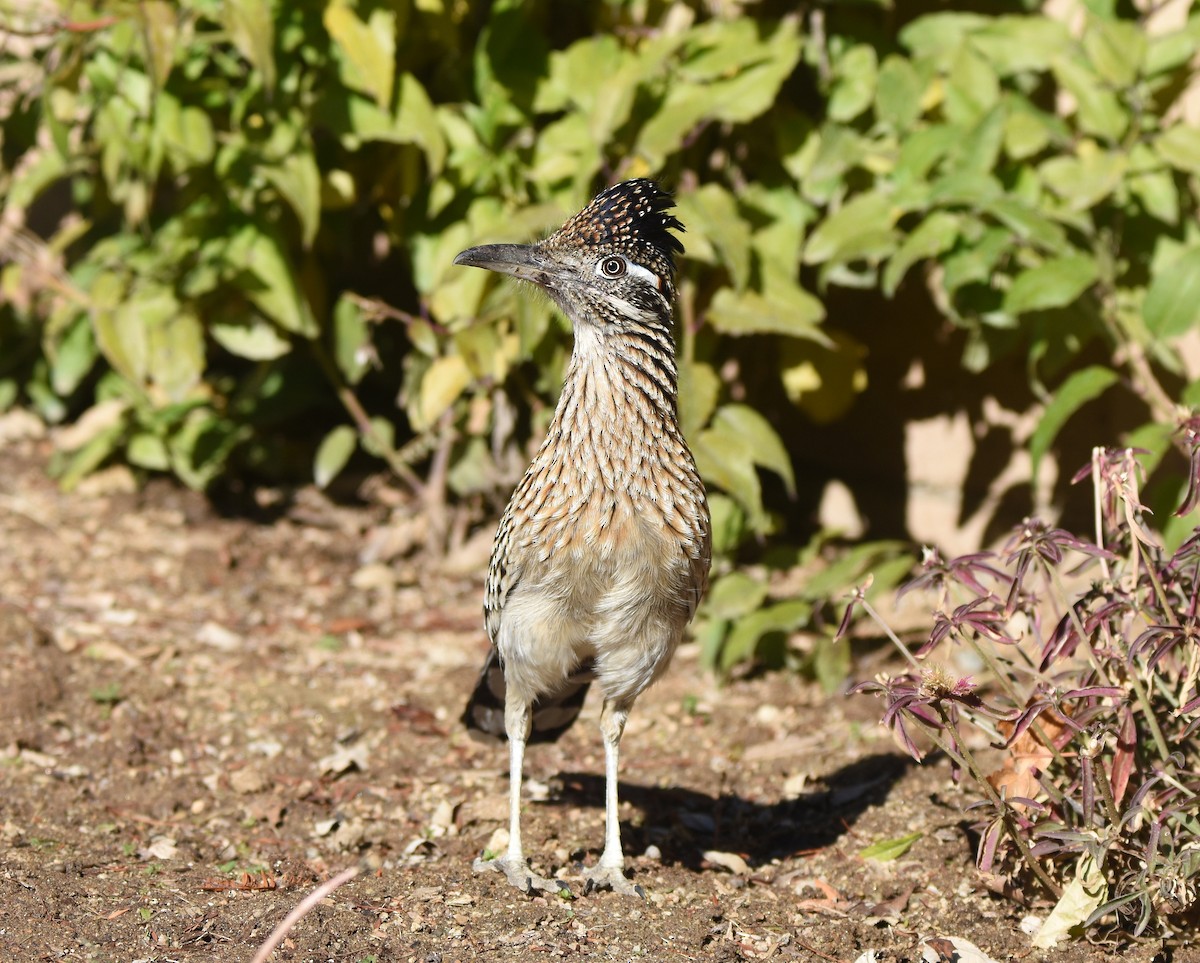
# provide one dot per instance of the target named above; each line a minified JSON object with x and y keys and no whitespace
{"x":618,"y":398}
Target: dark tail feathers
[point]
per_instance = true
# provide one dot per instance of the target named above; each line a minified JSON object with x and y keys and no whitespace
{"x":552,"y":714}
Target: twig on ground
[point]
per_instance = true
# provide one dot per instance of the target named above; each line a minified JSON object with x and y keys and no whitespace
{"x":302,"y":908}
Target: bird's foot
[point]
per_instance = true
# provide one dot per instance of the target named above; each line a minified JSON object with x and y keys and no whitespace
{"x":518,"y":873}
{"x":610,"y":877}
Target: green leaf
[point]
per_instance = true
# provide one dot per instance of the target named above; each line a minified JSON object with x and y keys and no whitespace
{"x":333,"y":453}
{"x":160,"y":32}
{"x":1172,"y":304}
{"x":1087,"y":179}
{"x":854,"y":86}
{"x":1026,"y":133}
{"x":297,"y":178}
{"x":91,"y":455}
{"x":886,"y":850}
{"x":733,"y":596}
{"x":756,"y":432}
{"x":725,"y":459}
{"x":442,"y":385}
{"x":1098,"y":110}
{"x":972,"y":88}
{"x":251,"y":28}
{"x":713,"y":214}
{"x":1158,"y":194}
{"x":73,"y":357}
{"x":351,"y":339}
{"x":933,"y":236}
{"x":1116,"y":50}
{"x":417,"y":122}
{"x":1179,"y":146}
{"x":1080,"y":388}
{"x":148,"y":451}
{"x":747,"y":632}
{"x":1020,"y":44}
{"x":175,"y":352}
{"x":898,"y":93}
{"x":699,"y":386}
{"x":751,"y":313}
{"x":1028,"y":223}
{"x":862,"y":228}
{"x":369,"y":48}
{"x":939,"y":36}
{"x":1054,"y":284}
{"x":268,"y":280}
{"x":253,"y":337}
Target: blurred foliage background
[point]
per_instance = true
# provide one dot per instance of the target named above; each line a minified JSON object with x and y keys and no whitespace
{"x":227,"y":234}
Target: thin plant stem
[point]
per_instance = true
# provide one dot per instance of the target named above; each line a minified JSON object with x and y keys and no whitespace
{"x":967,"y":759}
{"x":1143,"y":699}
{"x":1097,"y":506}
{"x":912,"y":659}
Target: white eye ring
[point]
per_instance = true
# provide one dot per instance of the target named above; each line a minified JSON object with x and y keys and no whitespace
{"x":612,"y":266}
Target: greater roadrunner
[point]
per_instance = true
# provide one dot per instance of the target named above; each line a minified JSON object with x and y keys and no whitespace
{"x":603,"y":552}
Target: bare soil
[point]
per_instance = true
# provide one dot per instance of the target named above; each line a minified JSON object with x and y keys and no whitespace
{"x":202,"y":716}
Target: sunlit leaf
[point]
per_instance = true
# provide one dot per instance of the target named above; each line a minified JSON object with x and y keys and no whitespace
{"x":369,"y":48}
{"x":333,"y":453}
{"x":756,"y":432}
{"x":887,"y":850}
{"x":268,"y":280}
{"x":351,"y":339}
{"x":861,"y":228}
{"x":252,"y":337}
{"x":854,"y":87}
{"x":933,"y":236}
{"x":1054,"y":284}
{"x":297,"y":178}
{"x":1080,"y":388}
{"x":251,"y":27}
{"x":699,"y":386}
{"x":443,"y":384}
{"x":898,"y":92}
{"x":751,"y":313}
{"x":1172,"y":304}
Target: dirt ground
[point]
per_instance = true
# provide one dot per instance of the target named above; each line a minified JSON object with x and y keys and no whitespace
{"x":204,"y":715}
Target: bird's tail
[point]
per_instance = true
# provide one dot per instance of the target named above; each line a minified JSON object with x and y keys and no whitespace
{"x":552,"y":714}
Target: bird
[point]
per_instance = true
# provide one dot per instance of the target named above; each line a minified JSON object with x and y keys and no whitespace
{"x":603,"y":552}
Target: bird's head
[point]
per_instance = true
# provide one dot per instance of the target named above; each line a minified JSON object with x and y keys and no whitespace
{"x":613,"y":263}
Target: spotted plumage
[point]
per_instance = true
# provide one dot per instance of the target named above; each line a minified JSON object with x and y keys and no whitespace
{"x":602,"y":554}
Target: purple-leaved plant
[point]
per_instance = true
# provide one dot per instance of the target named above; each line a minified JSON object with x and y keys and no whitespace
{"x":1091,"y":691}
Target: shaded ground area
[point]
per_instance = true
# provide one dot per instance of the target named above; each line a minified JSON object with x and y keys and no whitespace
{"x":203,"y":717}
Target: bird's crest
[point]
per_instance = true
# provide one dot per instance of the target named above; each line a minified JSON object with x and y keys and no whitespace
{"x":631,"y":218}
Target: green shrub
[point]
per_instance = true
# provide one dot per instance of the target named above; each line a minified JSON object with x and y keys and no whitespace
{"x":229,"y":225}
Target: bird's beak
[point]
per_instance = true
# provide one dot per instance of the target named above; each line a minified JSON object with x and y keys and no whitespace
{"x":520,"y":260}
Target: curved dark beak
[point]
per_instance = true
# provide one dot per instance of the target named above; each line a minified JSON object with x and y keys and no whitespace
{"x":522,"y":261}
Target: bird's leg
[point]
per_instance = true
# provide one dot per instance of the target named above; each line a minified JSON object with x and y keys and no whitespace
{"x":609,"y":873}
{"x":517,"y":723}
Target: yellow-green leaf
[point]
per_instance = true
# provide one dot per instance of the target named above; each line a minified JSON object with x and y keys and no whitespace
{"x":252,"y":29}
{"x":297,"y":178}
{"x":1054,"y":284}
{"x":1172,"y":304}
{"x":333,"y":453}
{"x":886,"y":850}
{"x":369,"y":48}
{"x":1071,"y":395}
{"x":443,"y":384}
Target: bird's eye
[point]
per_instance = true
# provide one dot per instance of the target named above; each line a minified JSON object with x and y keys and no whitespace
{"x":612,"y":267}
